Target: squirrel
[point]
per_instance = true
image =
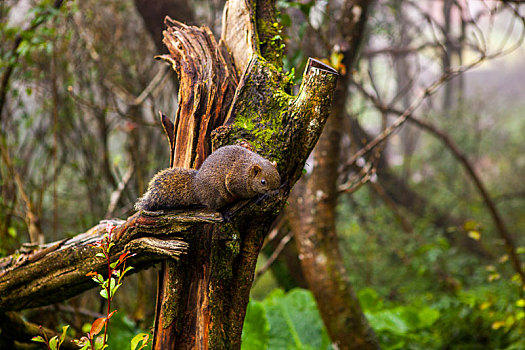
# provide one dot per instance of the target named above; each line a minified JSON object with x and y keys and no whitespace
{"x":229,"y":173}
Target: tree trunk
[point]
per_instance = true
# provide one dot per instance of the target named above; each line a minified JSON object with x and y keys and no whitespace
{"x":202,"y":299}
{"x":312,"y":214}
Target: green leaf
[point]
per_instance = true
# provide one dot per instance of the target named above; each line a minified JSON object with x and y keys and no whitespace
{"x":114,"y":289}
{"x":114,"y":264}
{"x":39,"y":339}
{"x":427,"y":317}
{"x":53,"y":343}
{"x":99,"y":343}
{"x":388,"y":320}
{"x":402,"y":320}
{"x":86,"y":327}
{"x":127,"y":269}
{"x":294,"y":321}
{"x":100,"y":255}
{"x":103,"y":293}
{"x":63,"y":335}
{"x":141,"y":337}
{"x":369,"y":300}
{"x":12,"y":232}
{"x":256,"y":327}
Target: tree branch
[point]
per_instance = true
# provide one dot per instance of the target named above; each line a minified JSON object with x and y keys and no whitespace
{"x":501,"y":227}
{"x":37,"y":276}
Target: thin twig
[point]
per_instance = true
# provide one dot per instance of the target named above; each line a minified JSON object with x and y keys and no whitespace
{"x":117,"y":193}
{"x":510,"y":245}
{"x":274,"y":255}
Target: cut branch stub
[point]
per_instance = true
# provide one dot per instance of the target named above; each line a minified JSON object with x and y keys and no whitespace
{"x":309,"y":111}
{"x":207,"y":84}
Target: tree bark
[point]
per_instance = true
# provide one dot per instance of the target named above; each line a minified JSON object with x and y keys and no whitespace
{"x":312,"y":213}
{"x":37,"y":276}
{"x":202,"y":299}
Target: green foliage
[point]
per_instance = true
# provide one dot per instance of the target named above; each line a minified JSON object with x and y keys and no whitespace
{"x":256,"y":327}
{"x":55,"y":342}
{"x":284,"y":321}
{"x":125,"y":333}
{"x":419,"y":291}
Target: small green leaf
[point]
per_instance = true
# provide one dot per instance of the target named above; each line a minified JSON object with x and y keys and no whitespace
{"x":104,"y":293}
{"x":63,"y":335}
{"x":99,"y":343}
{"x":114,"y":289}
{"x":114,"y":264}
{"x":127,"y":269}
{"x":38,"y":339}
{"x":12,"y":232}
{"x":100,"y":255}
{"x":53,"y":343}
{"x":141,"y":337}
{"x":86,"y":327}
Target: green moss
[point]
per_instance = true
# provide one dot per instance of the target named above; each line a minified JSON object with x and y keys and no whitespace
{"x":271,"y":41}
{"x":262,"y":108}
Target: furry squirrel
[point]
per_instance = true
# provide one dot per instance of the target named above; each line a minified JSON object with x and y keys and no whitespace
{"x":229,"y":173}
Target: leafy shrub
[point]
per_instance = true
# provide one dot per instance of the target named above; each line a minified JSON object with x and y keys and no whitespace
{"x":284,"y":321}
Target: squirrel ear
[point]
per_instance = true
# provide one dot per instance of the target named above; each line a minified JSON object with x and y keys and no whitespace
{"x":255,"y":169}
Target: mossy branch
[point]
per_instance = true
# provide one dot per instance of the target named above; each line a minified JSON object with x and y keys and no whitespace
{"x":37,"y":276}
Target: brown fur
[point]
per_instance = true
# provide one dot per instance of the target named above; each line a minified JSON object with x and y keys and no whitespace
{"x":229,"y":173}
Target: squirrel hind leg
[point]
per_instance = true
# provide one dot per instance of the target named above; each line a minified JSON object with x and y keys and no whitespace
{"x":143,"y":203}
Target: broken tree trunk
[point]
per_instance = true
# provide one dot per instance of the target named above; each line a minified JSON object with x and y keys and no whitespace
{"x":202,"y":298}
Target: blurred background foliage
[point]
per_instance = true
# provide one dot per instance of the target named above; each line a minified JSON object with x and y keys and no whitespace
{"x":80,"y":138}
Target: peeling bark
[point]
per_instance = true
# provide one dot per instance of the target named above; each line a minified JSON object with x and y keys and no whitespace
{"x":202,"y":298}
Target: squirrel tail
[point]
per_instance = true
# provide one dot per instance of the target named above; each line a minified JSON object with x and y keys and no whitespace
{"x":142,"y":203}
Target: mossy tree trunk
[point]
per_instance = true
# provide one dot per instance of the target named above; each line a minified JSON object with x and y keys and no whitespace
{"x":202,"y":298}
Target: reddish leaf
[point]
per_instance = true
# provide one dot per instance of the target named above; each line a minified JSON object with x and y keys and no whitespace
{"x":123,"y":256}
{"x":96,"y":327}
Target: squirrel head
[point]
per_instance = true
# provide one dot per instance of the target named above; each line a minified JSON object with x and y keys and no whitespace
{"x":264,"y":177}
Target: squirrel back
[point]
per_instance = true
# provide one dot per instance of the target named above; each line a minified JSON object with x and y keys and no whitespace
{"x":168,"y":189}
{"x":229,"y":173}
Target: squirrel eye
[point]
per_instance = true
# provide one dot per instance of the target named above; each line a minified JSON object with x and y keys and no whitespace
{"x":263,"y":181}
